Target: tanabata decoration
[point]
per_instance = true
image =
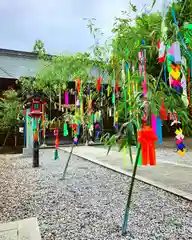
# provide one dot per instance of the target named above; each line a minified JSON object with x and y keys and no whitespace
{"x":162,"y":111}
{"x":66,"y":97}
{"x":89,"y":107}
{"x":56,"y":134}
{"x":78,"y":103}
{"x":179,"y":142}
{"x":74,"y":128}
{"x":147,"y":139}
{"x":156,"y":123}
{"x":97,"y":130}
{"x":65,"y":130}
{"x":162,"y":53}
{"x":99,"y":84}
{"x":78,"y":85}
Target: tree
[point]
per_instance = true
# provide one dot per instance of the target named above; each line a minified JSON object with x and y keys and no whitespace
{"x":39,"y":48}
{"x":10,"y":113}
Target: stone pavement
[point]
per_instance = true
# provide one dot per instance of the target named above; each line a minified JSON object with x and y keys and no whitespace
{"x":172,"y":173}
{"x":26,"y":229}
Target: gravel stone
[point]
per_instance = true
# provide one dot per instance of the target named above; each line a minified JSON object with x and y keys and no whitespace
{"x":89,"y":203}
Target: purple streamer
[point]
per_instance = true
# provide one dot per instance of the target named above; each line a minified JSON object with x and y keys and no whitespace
{"x":66,"y":98}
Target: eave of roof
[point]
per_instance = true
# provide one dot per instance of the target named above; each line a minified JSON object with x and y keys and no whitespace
{"x":17,"y":53}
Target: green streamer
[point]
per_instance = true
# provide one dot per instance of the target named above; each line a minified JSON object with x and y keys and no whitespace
{"x":113,"y":98}
{"x":92,"y":118}
{"x":125,"y":101}
{"x":65,"y":130}
{"x":140,"y":159}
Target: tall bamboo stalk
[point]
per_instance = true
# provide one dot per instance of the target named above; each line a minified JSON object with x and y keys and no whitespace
{"x":67,"y":164}
{"x":126,"y":215}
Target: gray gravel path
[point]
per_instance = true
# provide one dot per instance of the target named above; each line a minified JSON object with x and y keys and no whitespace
{"x":89,"y":204}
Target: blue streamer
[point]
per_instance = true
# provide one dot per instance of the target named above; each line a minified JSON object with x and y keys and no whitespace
{"x":159,"y":130}
{"x":126,"y":67}
{"x":34,"y":124}
{"x":78,"y":129}
{"x":179,"y":34}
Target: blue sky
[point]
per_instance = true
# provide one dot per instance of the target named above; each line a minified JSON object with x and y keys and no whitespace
{"x":58,"y":23}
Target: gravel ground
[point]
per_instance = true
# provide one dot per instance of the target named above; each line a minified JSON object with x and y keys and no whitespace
{"x":89,"y":204}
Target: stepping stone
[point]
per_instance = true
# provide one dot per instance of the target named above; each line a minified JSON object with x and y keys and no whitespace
{"x":26,"y":229}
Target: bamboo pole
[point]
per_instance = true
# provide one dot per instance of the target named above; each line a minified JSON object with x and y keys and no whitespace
{"x":126,"y":215}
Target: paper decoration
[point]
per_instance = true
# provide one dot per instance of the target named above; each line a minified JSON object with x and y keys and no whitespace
{"x":116,"y":117}
{"x":91,"y":128}
{"x":89,"y":107}
{"x":56,"y":133}
{"x":78,"y":85}
{"x":75,"y":140}
{"x":179,"y":142}
{"x":157,"y":127}
{"x":175,"y":74}
{"x":161,"y":48}
{"x":163,"y":112}
{"x":78,"y":103}
{"x":99,"y":84}
{"x":159,"y":130}
{"x":147,"y":138}
{"x":184,"y":86}
{"x":78,"y":129}
{"x":154,"y":123}
{"x":108,"y":91}
{"x":65,"y":130}
{"x":113,"y":98}
{"x":66,"y":98}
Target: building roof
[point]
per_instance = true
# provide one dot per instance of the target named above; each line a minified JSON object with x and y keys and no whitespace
{"x":14,"y":63}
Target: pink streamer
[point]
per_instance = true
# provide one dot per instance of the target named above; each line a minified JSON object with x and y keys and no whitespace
{"x":145,"y":78}
{"x":140,"y":65}
{"x":66,"y":98}
{"x":154,"y":123}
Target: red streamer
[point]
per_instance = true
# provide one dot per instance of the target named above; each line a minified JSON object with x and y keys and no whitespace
{"x":147,"y":138}
{"x":78,"y":85}
{"x":163,"y":112}
{"x":99,"y":84}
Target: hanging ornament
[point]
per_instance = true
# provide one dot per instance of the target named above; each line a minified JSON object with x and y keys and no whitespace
{"x":162,"y":55}
{"x":110,"y":112}
{"x":108,"y":91}
{"x":91,"y":128}
{"x":78,"y":129}
{"x":99,"y":84}
{"x":89,"y":107}
{"x":65,"y":130}
{"x":163,"y":112}
{"x":78,"y":85}
{"x":88,"y":90}
{"x":113,"y":98}
{"x":147,"y":139}
{"x":75,"y":140}
{"x":179,"y":142}
{"x":78,"y":103}
{"x":116,"y":116}
{"x":66,"y":98}
{"x":56,"y":134}
{"x":184,"y":86}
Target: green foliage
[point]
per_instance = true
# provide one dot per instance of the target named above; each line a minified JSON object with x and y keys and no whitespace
{"x":10,"y":110}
